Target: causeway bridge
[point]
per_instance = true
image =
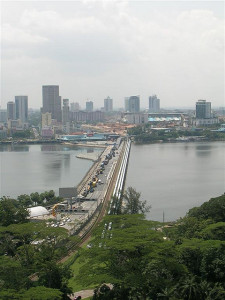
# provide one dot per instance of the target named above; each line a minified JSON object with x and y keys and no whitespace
{"x":99,"y":192}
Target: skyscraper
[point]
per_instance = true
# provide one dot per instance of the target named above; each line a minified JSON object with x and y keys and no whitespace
{"x":203,"y":109}
{"x":21,"y":103}
{"x":126,"y":103}
{"x":154,"y":104}
{"x":11,"y":110}
{"x":65,"y":111}
{"x":108,"y":104}
{"x":75,"y":106}
{"x":134,"y":104}
{"x":52,"y":101}
{"x":89,"y":106}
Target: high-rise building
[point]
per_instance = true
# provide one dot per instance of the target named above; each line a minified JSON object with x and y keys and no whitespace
{"x":21,"y":103}
{"x":65,"y":111}
{"x":52,"y":101}
{"x":203,"y":109}
{"x":11,"y":110}
{"x":3,"y":115}
{"x":126,"y":103}
{"x":46,"y":119}
{"x":75,"y":106}
{"x":154,"y":104}
{"x":89,"y":106}
{"x":133,"y":104}
{"x":108,"y":104}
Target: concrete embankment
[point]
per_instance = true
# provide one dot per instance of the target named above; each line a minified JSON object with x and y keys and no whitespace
{"x":89,"y":156}
{"x":88,"y":144}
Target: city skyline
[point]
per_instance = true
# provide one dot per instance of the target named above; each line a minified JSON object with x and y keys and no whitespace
{"x":51,"y":100}
{"x":172,"y":49}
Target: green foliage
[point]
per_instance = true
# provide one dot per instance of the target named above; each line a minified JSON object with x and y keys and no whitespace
{"x":132,"y":256}
{"x":42,"y":293}
{"x":213,"y":209}
{"x":34,"y":293}
{"x":11,"y":212}
{"x":12,"y":274}
{"x":144,"y":134}
{"x":25,"y":200}
{"x":133,"y":203}
{"x":55,"y":276}
{"x":23,"y":134}
{"x":139,"y":264}
{"x":214,"y":231}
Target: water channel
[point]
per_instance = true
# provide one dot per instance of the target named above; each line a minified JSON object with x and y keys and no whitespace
{"x":25,"y":169}
{"x":174,"y":177}
{"x":171,"y":177}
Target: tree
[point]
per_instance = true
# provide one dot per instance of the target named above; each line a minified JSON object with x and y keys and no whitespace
{"x":34,"y":293}
{"x":42,"y":293}
{"x":11,"y":212}
{"x":167,"y":293}
{"x":12,"y":274}
{"x":35,"y":198}
{"x":25,"y":200}
{"x":132,"y":256}
{"x":213,"y":209}
{"x":55,"y":276}
{"x":189,"y":288}
{"x":133,"y":203}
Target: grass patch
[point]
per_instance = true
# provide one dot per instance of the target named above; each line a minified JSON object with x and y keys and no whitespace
{"x":75,"y":267}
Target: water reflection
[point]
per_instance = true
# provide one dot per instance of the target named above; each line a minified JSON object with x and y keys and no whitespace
{"x":48,"y":147}
{"x":14,"y":148}
{"x":203,"y":150}
{"x":40,"y":168}
{"x":203,"y":147}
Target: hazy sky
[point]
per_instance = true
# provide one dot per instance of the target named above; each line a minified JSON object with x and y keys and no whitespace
{"x":95,"y":49}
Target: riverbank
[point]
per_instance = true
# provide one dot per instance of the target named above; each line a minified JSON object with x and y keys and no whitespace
{"x":30,"y":142}
{"x":177,"y":141}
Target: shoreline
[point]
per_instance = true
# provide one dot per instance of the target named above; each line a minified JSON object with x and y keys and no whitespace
{"x":174,"y":142}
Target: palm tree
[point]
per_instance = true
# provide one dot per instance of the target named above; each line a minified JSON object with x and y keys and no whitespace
{"x":217,"y":292}
{"x":167,"y":293}
{"x":190,"y":288}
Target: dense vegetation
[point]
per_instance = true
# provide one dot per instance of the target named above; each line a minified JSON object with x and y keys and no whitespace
{"x":28,"y":248}
{"x":147,"y":260}
{"x":23,"y":134}
{"x":144,"y":134}
{"x":128,"y":258}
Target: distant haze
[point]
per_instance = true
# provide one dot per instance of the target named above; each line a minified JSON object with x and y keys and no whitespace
{"x":95,"y":49}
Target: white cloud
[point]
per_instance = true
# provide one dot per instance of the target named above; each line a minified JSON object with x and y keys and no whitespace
{"x":176,"y":54}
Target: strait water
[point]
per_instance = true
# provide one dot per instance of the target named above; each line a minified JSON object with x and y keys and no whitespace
{"x":25,"y":169}
{"x":175,"y":177}
{"x":171,"y":177}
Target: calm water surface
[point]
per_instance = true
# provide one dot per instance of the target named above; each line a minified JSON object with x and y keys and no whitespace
{"x":25,"y":169}
{"x":176,"y":177}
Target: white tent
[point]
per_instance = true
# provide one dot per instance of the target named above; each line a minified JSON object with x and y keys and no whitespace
{"x":38,"y":211}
